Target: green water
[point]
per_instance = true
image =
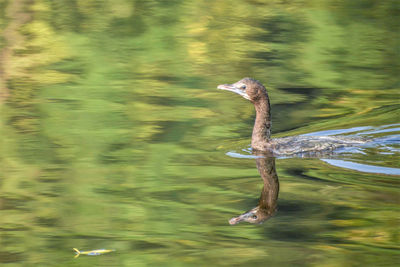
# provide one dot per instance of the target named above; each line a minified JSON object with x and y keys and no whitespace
{"x":114,"y":136}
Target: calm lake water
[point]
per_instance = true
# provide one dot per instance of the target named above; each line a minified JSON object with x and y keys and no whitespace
{"x":114,"y":136}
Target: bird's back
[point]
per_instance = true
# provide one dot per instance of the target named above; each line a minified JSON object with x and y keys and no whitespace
{"x":311,"y":145}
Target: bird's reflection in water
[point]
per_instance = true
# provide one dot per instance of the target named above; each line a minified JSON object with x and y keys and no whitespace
{"x":269,"y":195}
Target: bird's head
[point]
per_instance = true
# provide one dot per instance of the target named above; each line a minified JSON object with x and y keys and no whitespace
{"x":248,"y":88}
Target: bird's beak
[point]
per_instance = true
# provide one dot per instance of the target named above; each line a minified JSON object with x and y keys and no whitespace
{"x":233,"y":88}
{"x":240,"y":218}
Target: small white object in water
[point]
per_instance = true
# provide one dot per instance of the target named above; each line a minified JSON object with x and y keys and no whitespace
{"x":95,"y":252}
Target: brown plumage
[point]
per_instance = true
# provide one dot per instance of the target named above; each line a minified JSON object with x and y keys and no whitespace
{"x":261,"y":140}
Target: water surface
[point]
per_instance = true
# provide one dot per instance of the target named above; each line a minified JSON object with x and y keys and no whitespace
{"x":114,"y":135}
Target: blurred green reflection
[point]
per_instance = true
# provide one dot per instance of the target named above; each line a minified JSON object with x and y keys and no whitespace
{"x":114,"y":135}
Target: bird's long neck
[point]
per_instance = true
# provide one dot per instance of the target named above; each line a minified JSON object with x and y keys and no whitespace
{"x":262,"y":126}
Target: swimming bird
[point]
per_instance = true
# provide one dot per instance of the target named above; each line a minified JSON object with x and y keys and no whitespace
{"x":261,"y":140}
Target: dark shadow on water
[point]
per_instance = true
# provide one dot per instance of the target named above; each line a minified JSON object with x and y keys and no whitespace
{"x":145,"y":245}
{"x":8,"y":257}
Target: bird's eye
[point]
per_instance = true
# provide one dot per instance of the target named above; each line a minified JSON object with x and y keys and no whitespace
{"x":243,"y":87}
{"x":254,"y":217}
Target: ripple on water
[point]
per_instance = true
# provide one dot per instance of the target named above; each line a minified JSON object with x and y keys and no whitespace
{"x":362,"y":167}
{"x":387,"y":145}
